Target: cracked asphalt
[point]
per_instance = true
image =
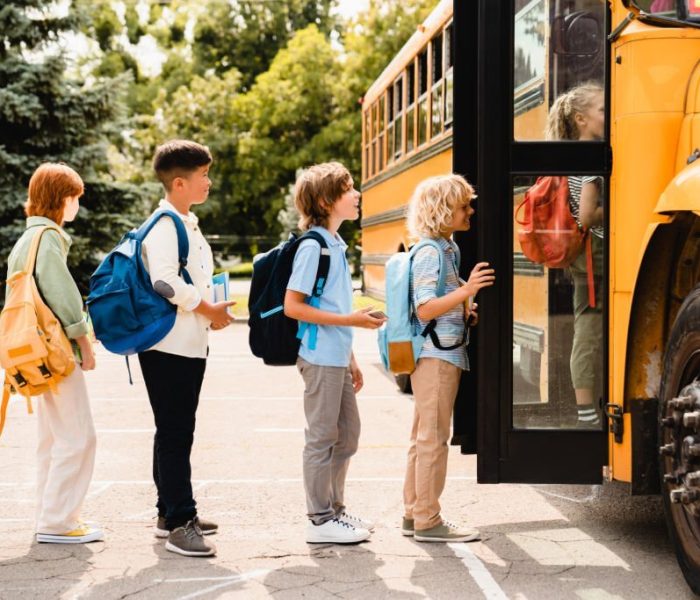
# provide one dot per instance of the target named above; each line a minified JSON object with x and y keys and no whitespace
{"x":539,"y":542}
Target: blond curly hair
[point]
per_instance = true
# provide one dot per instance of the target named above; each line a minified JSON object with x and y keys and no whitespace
{"x":433,"y":203}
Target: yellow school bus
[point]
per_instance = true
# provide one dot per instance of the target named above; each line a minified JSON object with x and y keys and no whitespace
{"x":472,"y":92}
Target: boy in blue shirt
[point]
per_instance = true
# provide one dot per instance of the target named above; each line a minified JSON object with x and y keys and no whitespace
{"x":325,"y":197}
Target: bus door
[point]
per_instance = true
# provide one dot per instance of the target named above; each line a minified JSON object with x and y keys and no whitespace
{"x":541,"y":368}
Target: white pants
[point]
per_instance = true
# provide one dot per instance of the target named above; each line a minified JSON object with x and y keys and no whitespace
{"x":65,"y":455}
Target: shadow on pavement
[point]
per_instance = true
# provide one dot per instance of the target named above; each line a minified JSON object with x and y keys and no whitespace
{"x":46,"y":570}
{"x":340,"y":571}
{"x":172,"y":576}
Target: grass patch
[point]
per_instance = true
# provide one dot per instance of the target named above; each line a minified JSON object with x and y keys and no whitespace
{"x":241,"y":271}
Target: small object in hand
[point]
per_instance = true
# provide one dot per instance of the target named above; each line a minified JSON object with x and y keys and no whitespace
{"x":377,"y":314}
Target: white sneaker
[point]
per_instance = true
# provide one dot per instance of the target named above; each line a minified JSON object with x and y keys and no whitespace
{"x":356,"y":521}
{"x":82,"y":535}
{"x":335,"y":531}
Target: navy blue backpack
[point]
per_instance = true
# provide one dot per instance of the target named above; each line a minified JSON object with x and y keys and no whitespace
{"x":273,"y":336}
{"x":127,"y":314}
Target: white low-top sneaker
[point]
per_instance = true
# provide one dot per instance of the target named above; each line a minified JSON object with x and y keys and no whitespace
{"x":335,"y":531}
{"x":356,"y":521}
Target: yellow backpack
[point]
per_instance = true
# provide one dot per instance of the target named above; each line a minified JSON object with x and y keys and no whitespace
{"x":34,"y":349}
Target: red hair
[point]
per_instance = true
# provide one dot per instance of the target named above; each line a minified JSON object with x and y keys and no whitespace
{"x":49,"y":187}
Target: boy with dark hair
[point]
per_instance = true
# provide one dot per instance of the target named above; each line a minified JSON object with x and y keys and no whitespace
{"x":173,"y":369}
{"x":325,"y":197}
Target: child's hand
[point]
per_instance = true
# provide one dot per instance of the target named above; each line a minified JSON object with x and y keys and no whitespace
{"x":88,"y":363}
{"x":356,"y":374}
{"x":219,"y":316}
{"x":480,"y":277}
{"x":362,"y":318}
{"x":473,"y":317}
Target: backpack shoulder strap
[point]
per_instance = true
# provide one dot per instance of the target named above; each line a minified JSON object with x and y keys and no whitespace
{"x":441,"y":262}
{"x":324,"y":261}
{"x":34,"y":247}
{"x":183,"y":243}
{"x":324,"y":265}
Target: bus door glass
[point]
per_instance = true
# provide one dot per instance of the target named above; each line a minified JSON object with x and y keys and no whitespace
{"x":558,"y":226}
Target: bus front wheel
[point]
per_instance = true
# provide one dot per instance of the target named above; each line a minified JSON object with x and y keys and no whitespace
{"x":679,"y":438}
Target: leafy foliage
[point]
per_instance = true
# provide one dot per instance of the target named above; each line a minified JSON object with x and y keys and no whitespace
{"x":47,"y":116}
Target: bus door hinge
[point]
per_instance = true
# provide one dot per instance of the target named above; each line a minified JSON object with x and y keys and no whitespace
{"x":614,"y":414}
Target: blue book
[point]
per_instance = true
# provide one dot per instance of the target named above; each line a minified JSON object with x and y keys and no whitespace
{"x":220,"y":285}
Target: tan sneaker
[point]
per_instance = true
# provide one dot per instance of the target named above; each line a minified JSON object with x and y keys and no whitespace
{"x":207,"y":527}
{"x":446,"y":532}
{"x":407,"y":527}
{"x":189,"y":541}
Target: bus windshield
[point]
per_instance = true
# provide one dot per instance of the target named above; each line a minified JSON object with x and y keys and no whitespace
{"x":661,"y":8}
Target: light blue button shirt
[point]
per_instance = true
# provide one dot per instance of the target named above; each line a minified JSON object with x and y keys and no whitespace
{"x":333,"y":342}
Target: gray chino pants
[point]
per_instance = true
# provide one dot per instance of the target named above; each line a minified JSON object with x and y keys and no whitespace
{"x":332,"y":433}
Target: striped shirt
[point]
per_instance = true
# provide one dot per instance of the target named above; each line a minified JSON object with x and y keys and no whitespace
{"x":450,"y":326}
{"x":576,"y":184}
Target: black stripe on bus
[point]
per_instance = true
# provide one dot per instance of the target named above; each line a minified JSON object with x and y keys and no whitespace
{"x":415,"y":159}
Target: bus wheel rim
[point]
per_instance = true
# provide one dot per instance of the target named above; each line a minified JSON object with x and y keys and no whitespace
{"x":681,"y":450}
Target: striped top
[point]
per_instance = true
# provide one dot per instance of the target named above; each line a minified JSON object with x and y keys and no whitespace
{"x":450,"y":326}
{"x":576,"y":184}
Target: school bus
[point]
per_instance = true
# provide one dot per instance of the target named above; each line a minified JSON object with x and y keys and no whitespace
{"x":471,"y":92}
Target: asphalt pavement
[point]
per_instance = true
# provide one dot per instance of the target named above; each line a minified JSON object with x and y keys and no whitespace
{"x":539,"y":542}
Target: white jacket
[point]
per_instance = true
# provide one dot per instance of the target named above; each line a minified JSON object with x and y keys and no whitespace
{"x":190,"y":334}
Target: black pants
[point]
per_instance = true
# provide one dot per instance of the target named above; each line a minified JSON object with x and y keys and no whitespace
{"x":173,"y":383}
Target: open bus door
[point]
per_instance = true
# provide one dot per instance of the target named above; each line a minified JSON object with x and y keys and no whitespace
{"x":513,"y":58}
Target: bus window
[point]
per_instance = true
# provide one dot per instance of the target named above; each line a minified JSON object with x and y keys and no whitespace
{"x":380,"y":127}
{"x":398,"y":117}
{"x":558,"y":358}
{"x":390,"y":125}
{"x":664,"y":8}
{"x":423,"y":97}
{"x":411,"y":106}
{"x":437,"y":85}
{"x":373,"y":168}
{"x":449,"y":78}
{"x":365,"y":162}
{"x":557,"y":46}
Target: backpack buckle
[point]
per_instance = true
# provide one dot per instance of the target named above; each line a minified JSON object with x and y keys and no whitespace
{"x":44,"y":370}
{"x":19,"y":378}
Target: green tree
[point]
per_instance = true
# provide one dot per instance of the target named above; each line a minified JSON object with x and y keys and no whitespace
{"x":47,"y":116}
{"x":247,"y":34}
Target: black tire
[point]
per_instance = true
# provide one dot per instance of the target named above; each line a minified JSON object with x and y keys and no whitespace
{"x":681,"y":368}
{"x":404,"y":383}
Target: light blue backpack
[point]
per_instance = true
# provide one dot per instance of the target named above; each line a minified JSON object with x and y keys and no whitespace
{"x":399,"y":340}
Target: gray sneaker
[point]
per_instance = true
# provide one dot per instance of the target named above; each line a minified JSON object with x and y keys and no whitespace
{"x":407,"y":527}
{"x":188,"y":540}
{"x":446,"y":532}
{"x":207,"y":527}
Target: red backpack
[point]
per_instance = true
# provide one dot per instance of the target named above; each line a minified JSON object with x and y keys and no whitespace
{"x":550,"y":234}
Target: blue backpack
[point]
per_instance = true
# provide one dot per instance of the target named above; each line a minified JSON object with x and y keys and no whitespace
{"x":127,"y":314}
{"x":274,"y":336}
{"x":400,"y":341}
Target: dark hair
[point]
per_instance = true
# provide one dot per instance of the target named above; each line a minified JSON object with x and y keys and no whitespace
{"x":179,"y":158}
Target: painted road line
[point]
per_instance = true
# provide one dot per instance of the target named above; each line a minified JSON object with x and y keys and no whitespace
{"x":479,"y":573}
{"x":278,"y":430}
{"x":242,"y":481}
{"x":125,"y":430}
{"x":223,"y":582}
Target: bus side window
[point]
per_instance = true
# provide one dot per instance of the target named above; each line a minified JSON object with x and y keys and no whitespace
{"x":398,"y":117}
{"x":423,"y":97}
{"x":437,"y":85}
{"x":449,"y":78}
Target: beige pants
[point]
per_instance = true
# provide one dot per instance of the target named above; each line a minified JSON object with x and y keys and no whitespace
{"x":65,"y":455}
{"x":435,"y":383}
